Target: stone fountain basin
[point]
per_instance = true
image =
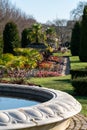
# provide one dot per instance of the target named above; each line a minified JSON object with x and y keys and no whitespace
{"x":53,"y":113}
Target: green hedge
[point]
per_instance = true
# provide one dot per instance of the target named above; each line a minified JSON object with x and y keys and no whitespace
{"x":78,"y":73}
{"x":80,"y":86}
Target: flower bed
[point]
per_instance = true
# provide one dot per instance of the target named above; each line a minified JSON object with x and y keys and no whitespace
{"x":21,"y":68}
{"x":54,"y":58}
{"x":45,"y":65}
{"x":47,"y":74}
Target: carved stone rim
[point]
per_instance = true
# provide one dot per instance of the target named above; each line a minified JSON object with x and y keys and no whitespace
{"x":58,"y":106}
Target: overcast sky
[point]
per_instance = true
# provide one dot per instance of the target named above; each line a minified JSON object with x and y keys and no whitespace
{"x":44,"y":10}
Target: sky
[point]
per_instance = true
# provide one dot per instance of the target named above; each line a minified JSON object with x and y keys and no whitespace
{"x":47,"y":10}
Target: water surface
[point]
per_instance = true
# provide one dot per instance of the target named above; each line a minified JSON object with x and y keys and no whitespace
{"x":11,"y":103}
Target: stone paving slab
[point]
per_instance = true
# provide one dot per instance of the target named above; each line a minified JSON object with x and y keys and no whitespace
{"x":78,"y":122}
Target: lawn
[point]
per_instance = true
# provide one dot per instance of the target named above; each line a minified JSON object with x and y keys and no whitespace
{"x":76,"y":64}
{"x":63,"y":83}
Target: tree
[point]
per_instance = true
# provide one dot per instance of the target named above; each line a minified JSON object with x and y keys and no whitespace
{"x":37,"y":32}
{"x":8,"y":12}
{"x":10,"y":38}
{"x":51,"y":37}
{"x":75,"y":39}
{"x":78,"y":11}
{"x":83,"y":43}
{"x":60,"y":26}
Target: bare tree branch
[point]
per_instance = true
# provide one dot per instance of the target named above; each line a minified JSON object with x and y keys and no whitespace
{"x":78,"y":11}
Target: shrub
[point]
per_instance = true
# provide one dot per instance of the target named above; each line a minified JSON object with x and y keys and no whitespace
{"x":32,"y":54}
{"x":6,"y":58}
{"x":25,"y":59}
{"x":78,"y":73}
{"x":80,"y":86}
{"x":10,"y":37}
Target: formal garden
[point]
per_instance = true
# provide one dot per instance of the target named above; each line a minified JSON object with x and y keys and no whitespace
{"x":35,"y":59}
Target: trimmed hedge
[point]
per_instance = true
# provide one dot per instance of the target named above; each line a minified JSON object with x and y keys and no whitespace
{"x":78,"y":73}
{"x":80,"y":86}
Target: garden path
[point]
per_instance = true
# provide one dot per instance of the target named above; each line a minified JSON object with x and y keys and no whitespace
{"x":78,"y":122}
{"x":66,"y":66}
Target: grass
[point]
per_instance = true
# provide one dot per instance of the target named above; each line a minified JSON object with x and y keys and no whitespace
{"x":67,"y":53}
{"x":76,"y":64}
{"x":62,"y":83}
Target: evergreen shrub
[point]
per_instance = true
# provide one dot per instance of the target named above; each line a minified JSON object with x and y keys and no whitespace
{"x":75,"y":40}
{"x":78,"y":73}
{"x":83,"y":43}
{"x":80,"y":86}
{"x":11,"y":38}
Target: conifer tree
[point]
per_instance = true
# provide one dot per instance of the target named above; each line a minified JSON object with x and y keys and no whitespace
{"x":75,"y":39}
{"x":10,"y":38}
{"x":83,"y":43}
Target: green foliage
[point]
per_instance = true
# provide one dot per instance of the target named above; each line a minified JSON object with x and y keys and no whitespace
{"x":51,"y":37}
{"x":83,"y":44}
{"x":33,"y":35}
{"x":36,"y":34}
{"x":37,"y":30}
{"x":32,"y":54}
{"x":26,"y":58}
{"x":80,"y":86}
{"x":75,"y":39}
{"x":1,"y":44}
{"x":78,"y":73}
{"x":26,"y":37}
{"x":10,"y":37}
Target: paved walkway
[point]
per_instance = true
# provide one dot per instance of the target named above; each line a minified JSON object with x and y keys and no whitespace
{"x":78,"y":122}
{"x":66,"y":66}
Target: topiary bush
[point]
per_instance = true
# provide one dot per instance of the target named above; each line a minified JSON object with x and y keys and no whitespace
{"x":80,"y":86}
{"x":10,"y":38}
